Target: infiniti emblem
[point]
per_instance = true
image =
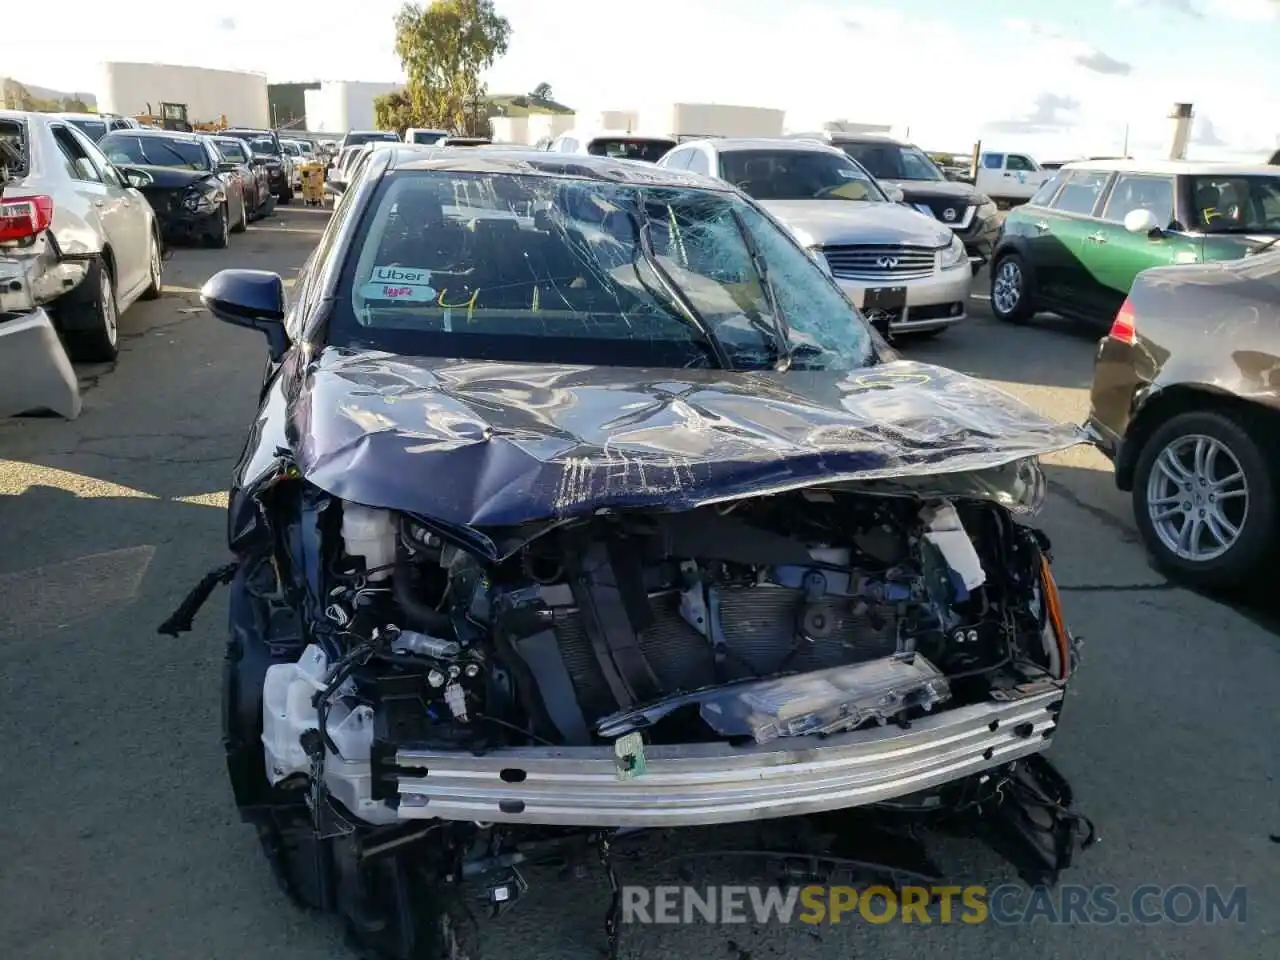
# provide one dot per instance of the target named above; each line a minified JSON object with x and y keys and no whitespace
{"x":949,"y":213}
{"x":887,"y":263}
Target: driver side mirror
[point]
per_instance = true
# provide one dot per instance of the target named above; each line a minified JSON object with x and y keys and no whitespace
{"x":253,"y":299}
{"x":894,"y":193}
{"x":138,"y":179}
{"x":336,"y":187}
{"x":1144,"y":222}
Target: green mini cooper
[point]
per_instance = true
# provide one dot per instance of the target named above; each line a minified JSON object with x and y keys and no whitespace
{"x":1075,"y":248}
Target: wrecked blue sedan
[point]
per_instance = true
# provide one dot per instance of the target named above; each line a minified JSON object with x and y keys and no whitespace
{"x":580,"y":504}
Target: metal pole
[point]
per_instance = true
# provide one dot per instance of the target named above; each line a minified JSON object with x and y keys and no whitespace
{"x":1125,"y":153}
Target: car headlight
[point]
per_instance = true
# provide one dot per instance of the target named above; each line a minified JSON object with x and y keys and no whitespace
{"x":203,"y":201}
{"x":954,"y":255}
{"x":986,"y":209}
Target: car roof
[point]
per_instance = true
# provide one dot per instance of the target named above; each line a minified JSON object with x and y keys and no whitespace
{"x":840,"y":136}
{"x":591,"y":133}
{"x":71,"y":115}
{"x":739,"y":144}
{"x":1175,"y":167}
{"x":534,"y":163}
{"x":154,"y":134}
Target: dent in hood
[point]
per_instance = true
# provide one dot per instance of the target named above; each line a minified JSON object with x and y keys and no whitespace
{"x":826,"y":222}
{"x":476,"y":444}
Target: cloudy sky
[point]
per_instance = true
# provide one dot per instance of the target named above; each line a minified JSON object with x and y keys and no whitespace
{"x":1062,"y":78}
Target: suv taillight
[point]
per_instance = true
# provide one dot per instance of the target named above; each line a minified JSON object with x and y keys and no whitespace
{"x":1123,"y":327}
{"x":22,"y":218}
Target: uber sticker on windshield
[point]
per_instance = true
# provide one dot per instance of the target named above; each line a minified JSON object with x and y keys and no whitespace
{"x":401,"y":276}
{"x":411,"y":284}
{"x":851,"y":174}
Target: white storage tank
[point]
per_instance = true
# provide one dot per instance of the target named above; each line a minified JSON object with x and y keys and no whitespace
{"x":342,"y":105}
{"x":133,"y":88}
{"x":547,"y":126}
{"x":712,"y":120}
{"x":510,"y":129}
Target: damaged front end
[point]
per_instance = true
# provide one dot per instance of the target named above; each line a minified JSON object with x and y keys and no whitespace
{"x":776,"y":656}
{"x":434,"y":682}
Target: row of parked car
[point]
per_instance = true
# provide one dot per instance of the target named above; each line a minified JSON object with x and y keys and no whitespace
{"x":85,"y":224}
{"x":1177,"y":262}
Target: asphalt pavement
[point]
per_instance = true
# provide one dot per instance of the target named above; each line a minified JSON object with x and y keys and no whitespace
{"x":119,"y":838}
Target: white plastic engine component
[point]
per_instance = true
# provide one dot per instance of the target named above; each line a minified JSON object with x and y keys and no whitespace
{"x":288,"y":713}
{"x":369,"y":533}
{"x":947,"y":533}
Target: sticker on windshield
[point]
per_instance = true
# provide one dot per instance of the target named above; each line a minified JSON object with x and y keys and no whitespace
{"x":407,"y":292}
{"x":851,"y":174}
{"x":401,"y":276}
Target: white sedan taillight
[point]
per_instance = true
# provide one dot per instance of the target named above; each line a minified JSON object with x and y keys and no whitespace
{"x":22,"y":218}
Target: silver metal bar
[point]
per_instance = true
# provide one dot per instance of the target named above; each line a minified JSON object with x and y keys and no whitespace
{"x":695,"y":784}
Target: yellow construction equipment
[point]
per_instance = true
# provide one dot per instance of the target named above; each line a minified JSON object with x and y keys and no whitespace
{"x":173,"y":116}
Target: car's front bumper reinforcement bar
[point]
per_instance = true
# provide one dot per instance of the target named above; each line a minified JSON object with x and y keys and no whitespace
{"x":694,"y":784}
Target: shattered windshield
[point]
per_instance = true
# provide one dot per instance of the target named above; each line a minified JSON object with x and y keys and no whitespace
{"x":566,"y":270}
{"x":792,"y":174}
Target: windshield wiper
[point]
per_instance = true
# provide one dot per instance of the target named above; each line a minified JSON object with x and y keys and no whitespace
{"x":672,"y":289}
{"x":1265,"y":247}
{"x":779,"y":332}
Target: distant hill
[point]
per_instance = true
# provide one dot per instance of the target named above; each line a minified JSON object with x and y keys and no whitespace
{"x":522,"y":105}
{"x":41,"y":98}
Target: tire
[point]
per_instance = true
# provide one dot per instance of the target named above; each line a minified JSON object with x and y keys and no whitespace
{"x":286,"y":196}
{"x":243,"y":224}
{"x":1253,"y":514}
{"x":1020,"y":307}
{"x":222,"y":238}
{"x":93,"y":317}
{"x":268,"y":207}
{"x":156,"y":287}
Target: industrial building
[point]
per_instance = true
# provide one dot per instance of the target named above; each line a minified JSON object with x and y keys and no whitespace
{"x":134,"y":88}
{"x":336,"y":106}
{"x":288,"y":102}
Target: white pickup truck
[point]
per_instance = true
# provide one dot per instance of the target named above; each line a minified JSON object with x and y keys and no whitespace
{"x":1009,"y":178}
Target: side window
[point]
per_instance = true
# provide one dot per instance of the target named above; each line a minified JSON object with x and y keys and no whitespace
{"x":82,"y":167}
{"x":1140,"y":192}
{"x":676,"y":160}
{"x":698,"y":163}
{"x":1081,"y":192}
{"x":993,"y":161}
{"x":1047,"y":189}
{"x":1017,"y":161}
{"x":105,"y":167}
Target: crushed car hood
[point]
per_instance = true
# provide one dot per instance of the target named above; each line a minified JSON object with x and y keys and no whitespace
{"x":827,"y":222}
{"x":472,"y":443}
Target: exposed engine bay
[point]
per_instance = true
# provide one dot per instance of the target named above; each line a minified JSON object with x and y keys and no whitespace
{"x":402,"y":716}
